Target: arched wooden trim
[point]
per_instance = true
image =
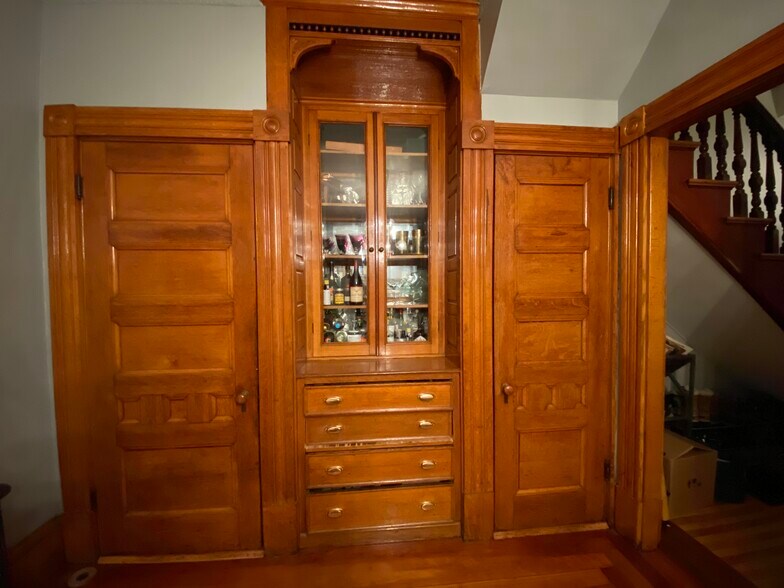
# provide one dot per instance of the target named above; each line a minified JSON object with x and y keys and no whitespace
{"x":449,"y":54}
{"x":299,"y":46}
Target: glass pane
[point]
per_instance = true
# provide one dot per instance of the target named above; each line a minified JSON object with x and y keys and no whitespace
{"x":343,"y":232}
{"x":407,"y":206}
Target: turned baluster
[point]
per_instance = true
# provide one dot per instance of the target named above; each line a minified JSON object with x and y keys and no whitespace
{"x":771,"y":200}
{"x":740,"y":200}
{"x":781,"y":215}
{"x":755,"y":180}
{"x":720,"y":146}
{"x":685,"y":135}
{"x":704,"y":160}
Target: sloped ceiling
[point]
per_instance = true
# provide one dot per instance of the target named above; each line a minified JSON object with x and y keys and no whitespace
{"x":569,"y":48}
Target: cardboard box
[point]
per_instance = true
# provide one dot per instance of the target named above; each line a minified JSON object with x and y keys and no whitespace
{"x":689,"y":473}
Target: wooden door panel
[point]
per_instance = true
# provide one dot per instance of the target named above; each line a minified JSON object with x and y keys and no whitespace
{"x":172,"y":336}
{"x":552,"y":314}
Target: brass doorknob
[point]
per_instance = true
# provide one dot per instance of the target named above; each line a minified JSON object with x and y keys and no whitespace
{"x":507,"y":390}
{"x":241,"y":398}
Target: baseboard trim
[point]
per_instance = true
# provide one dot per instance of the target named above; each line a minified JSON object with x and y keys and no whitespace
{"x":182,"y":558}
{"x":39,"y":559}
{"x":550,"y":530}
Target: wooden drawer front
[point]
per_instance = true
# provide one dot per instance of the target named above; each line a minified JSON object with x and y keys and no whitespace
{"x":373,"y":467}
{"x":336,"y":511}
{"x":340,"y":399}
{"x":377,"y":427}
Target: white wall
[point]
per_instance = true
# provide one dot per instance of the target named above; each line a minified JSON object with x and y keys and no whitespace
{"x":550,"y":111}
{"x":169,"y":55}
{"x":736,"y":342}
{"x":692,"y":35}
{"x":28,"y":450}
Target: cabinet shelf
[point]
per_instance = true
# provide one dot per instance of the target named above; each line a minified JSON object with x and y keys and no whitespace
{"x":404,"y":306}
{"x":339,"y":256}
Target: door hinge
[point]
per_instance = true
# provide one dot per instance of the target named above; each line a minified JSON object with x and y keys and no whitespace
{"x":93,"y":500}
{"x":611,"y":198}
{"x":608,"y":470}
{"x":79,"y":186}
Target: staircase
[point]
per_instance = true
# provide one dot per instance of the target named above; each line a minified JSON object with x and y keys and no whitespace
{"x":726,"y":220}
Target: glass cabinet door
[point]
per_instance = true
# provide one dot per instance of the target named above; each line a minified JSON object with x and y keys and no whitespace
{"x":407,"y":194}
{"x":345,"y":206}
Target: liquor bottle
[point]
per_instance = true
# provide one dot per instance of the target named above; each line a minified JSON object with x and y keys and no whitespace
{"x":334,"y":280}
{"x":356,"y":288}
{"x":340,"y":297}
{"x":327,"y":294}
{"x":345,"y":280}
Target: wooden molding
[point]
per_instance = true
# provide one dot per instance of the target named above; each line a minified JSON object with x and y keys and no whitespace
{"x":440,"y":8}
{"x":277,"y":363}
{"x":59,"y":120}
{"x":271,"y":125}
{"x":754,"y":68}
{"x":632,"y":126}
{"x":450,"y":54}
{"x":555,"y":139}
{"x":478,"y":134}
{"x":39,"y":559}
{"x":638,"y":499}
{"x":476,"y":255}
{"x":299,"y":46}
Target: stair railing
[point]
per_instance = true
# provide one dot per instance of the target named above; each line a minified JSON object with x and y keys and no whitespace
{"x":760,"y":125}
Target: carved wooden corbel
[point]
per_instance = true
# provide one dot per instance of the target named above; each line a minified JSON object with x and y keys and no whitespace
{"x":450,"y":54}
{"x":299,"y":46}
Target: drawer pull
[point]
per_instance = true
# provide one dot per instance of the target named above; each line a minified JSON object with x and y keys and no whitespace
{"x":333,"y":400}
{"x":335,"y":429}
{"x":427,"y":464}
{"x":423,"y":424}
{"x":334,"y":470}
{"x":427,"y":505}
{"x":426,"y":396}
{"x":335,"y":513}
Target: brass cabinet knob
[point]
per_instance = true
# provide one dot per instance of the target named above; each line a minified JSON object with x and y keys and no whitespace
{"x":426,"y":396}
{"x":241,"y":397}
{"x":427,"y":464}
{"x":507,"y":390}
{"x":333,"y":400}
{"x":423,"y":424}
{"x":427,"y":505}
{"x":335,"y":513}
{"x":335,"y":470}
{"x":334,"y":429}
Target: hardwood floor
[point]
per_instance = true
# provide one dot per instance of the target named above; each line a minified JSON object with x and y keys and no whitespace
{"x":748,"y":536}
{"x":576,"y":560}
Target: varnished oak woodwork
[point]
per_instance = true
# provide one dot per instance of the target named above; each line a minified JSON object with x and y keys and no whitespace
{"x":552,"y":366}
{"x":176,"y":458}
{"x":598,"y":558}
{"x":375,"y":398}
{"x":555,"y":139}
{"x":638,"y":499}
{"x":752,"y":69}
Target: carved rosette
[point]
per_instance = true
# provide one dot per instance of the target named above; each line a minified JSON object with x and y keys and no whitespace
{"x":270,"y":125}
{"x":632,"y":126}
{"x":478,"y":134}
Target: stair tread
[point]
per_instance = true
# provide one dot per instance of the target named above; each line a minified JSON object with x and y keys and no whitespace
{"x":742,"y":220}
{"x":721,"y":184}
{"x":772,"y":256}
{"x":675,"y":144}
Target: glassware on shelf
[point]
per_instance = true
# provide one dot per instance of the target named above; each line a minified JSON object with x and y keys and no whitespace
{"x":344,"y":244}
{"x":357,"y":243}
{"x":344,"y":326}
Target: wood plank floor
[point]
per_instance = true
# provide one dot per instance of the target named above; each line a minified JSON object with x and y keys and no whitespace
{"x":576,"y":560}
{"x":748,"y":536}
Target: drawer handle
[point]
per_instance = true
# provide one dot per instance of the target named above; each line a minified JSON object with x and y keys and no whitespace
{"x":427,"y":505}
{"x":334,"y":470}
{"x":427,"y":464}
{"x":335,"y":513}
{"x":426,"y":396}
{"x":335,"y":429}
{"x":333,"y":400}
{"x":423,"y":424}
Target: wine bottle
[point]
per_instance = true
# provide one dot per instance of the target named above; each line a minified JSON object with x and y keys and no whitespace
{"x":327,"y":294}
{"x":345,"y":281}
{"x":356,"y":288}
{"x":334,"y":281}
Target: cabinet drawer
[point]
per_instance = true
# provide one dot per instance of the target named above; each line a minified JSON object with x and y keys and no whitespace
{"x":377,"y":427}
{"x":336,"y":511}
{"x":340,"y":399}
{"x":373,"y":467}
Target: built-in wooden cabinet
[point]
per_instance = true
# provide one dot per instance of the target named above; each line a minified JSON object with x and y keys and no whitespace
{"x":375,"y":202}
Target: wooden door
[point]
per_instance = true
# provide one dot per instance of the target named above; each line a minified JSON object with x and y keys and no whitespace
{"x":171,"y":329}
{"x":553,"y":333}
